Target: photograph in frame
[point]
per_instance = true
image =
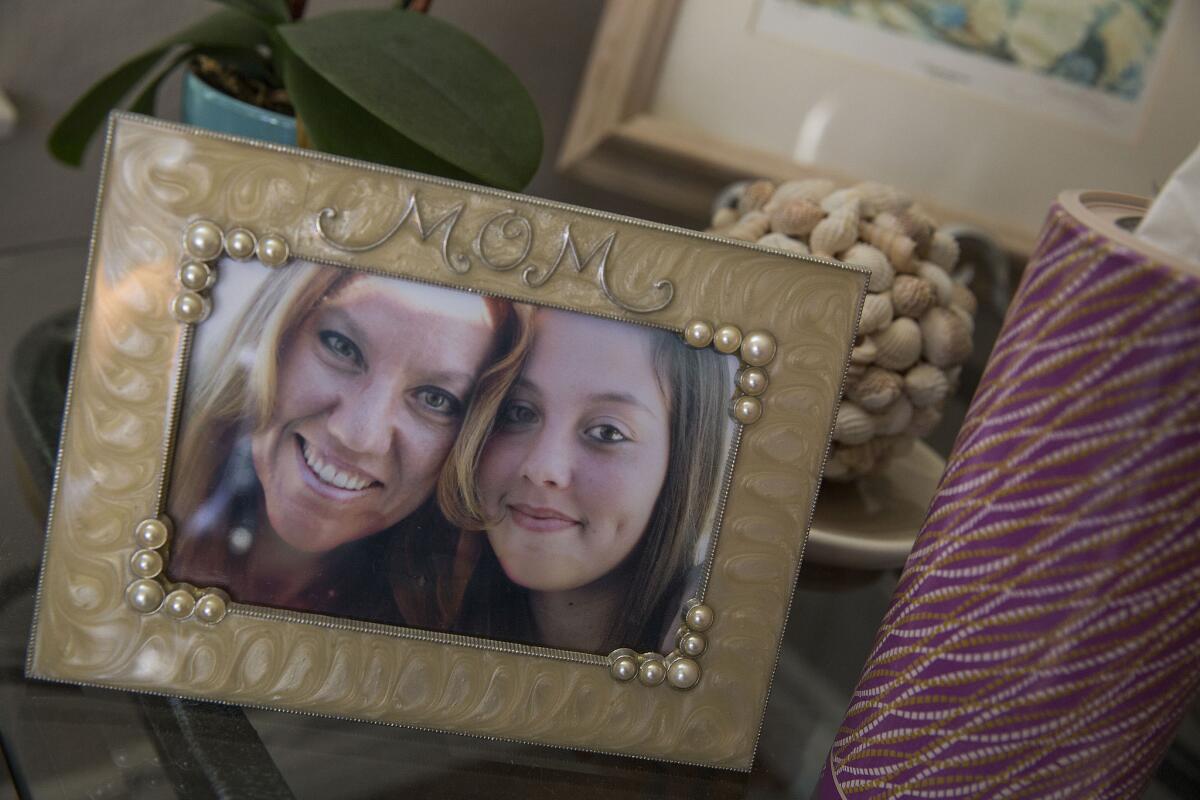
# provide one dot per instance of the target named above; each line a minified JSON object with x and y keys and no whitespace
{"x":360,"y":443}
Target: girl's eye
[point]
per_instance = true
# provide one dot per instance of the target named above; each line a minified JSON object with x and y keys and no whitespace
{"x":515,"y":414}
{"x":439,"y":401}
{"x":607,"y":434}
{"x":342,"y":347}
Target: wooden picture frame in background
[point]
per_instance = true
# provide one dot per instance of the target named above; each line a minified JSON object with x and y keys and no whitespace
{"x":682,"y":97}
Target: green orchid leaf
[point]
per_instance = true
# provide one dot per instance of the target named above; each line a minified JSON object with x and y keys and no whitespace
{"x":336,"y":124}
{"x":75,"y":129}
{"x":269,"y":11}
{"x":429,"y":82}
{"x":144,"y":102}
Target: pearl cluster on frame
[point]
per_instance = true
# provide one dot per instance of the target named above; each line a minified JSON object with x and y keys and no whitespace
{"x":756,"y":349}
{"x":150,"y":593}
{"x":679,"y":668}
{"x":203,"y":243}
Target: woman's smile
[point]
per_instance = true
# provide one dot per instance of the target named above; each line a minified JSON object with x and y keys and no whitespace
{"x":370,"y":395}
{"x":331,"y":473}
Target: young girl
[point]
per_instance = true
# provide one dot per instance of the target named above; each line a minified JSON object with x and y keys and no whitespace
{"x":593,"y":487}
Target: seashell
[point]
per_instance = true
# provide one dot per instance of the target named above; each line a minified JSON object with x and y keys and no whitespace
{"x":876,"y":389}
{"x":967,"y":319}
{"x":864,"y":255}
{"x":888,"y":220}
{"x":898,"y":346}
{"x":724,"y":217}
{"x":750,"y":228}
{"x":923,"y":421}
{"x":846,"y":200}
{"x":964,"y":298}
{"x":943,"y":250}
{"x":879,"y":197}
{"x":918,"y":226}
{"x":781,"y":242}
{"x":812,"y":189}
{"x":855,"y":372}
{"x":876,"y":312}
{"x":833,"y":234}
{"x":947,"y":340}
{"x":796,"y":217}
{"x":864,"y":352}
{"x":926,"y":385}
{"x":939,"y":279}
{"x":894,"y":419}
{"x":953,"y":374}
{"x":755,"y":196}
{"x":857,"y":460}
{"x":912,"y":296}
{"x":853,"y":425}
{"x":895,"y":245}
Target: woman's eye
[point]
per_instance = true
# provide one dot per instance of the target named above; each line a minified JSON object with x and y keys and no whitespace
{"x":439,"y":401}
{"x":517,"y":414}
{"x":342,"y":347}
{"x":608,"y":434}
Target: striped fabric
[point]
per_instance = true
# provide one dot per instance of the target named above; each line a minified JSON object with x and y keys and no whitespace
{"x":1044,"y":639}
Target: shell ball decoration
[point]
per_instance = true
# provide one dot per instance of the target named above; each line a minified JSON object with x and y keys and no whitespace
{"x":917,"y":320}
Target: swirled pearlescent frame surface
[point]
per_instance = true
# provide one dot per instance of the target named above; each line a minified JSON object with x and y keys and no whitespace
{"x":158,"y":179}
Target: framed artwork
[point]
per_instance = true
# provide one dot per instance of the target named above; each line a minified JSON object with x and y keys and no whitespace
{"x":983,"y":110}
{"x":357,"y":442}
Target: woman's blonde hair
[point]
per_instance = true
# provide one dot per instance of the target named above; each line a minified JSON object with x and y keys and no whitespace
{"x":698,"y":384}
{"x":237,"y":396}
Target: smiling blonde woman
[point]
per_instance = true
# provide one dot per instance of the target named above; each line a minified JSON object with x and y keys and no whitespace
{"x":310,"y":451}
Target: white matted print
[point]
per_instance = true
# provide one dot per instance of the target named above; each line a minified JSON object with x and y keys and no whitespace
{"x":1087,"y":63}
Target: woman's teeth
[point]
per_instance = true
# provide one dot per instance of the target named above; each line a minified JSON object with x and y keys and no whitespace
{"x":331,"y":474}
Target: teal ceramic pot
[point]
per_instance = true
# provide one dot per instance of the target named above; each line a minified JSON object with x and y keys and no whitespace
{"x":205,"y":107}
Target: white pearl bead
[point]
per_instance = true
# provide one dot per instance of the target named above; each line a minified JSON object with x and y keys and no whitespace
{"x":196,"y":275}
{"x":151,"y":533}
{"x":699,"y":618}
{"x":684,"y":673}
{"x":210,"y":608}
{"x":203,"y":240}
{"x":752,"y":381}
{"x":146,"y":563}
{"x":693,"y":644}
{"x":698,"y":333}
{"x":727,"y":339}
{"x":272,"y":251}
{"x":189,"y":307}
{"x":624,"y":668}
{"x":758,"y":348}
{"x":747,"y":410}
{"x":652,"y":672}
{"x":144,"y":596}
{"x":240,"y":244}
{"x":179,"y":604}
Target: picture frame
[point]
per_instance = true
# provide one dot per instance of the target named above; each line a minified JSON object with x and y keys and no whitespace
{"x":682,"y":98}
{"x":180,"y":211}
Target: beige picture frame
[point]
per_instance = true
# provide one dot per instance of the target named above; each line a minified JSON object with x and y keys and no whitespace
{"x":175,"y":200}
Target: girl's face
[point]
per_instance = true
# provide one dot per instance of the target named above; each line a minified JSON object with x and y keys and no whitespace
{"x":579,"y":454}
{"x":370,"y":394}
